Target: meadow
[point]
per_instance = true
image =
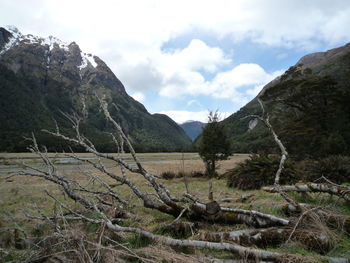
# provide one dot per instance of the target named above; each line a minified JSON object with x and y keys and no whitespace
{"x":24,"y":196}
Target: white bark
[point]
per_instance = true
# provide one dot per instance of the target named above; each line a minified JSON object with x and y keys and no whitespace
{"x":241,"y":251}
{"x":341,"y":191}
{"x":284,"y":155}
{"x":237,"y":249}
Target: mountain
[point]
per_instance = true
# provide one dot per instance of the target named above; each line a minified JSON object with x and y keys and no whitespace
{"x":42,"y":77}
{"x":192,"y":128}
{"x":308,"y":107}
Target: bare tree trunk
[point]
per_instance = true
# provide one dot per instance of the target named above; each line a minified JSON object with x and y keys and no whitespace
{"x":243,"y":252}
{"x":284,"y":155}
{"x":268,"y":237}
{"x":237,"y":249}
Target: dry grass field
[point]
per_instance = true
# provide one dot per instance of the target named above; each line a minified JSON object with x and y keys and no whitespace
{"x":18,"y":191}
{"x":22,"y":194}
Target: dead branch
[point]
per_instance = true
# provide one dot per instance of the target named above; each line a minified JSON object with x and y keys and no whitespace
{"x":284,"y":154}
{"x":254,"y":253}
{"x":235,"y":216}
{"x":165,"y":201}
{"x":127,"y":249}
{"x":91,"y":198}
{"x":341,"y":191}
{"x":271,"y":237}
{"x":298,"y":222}
{"x":234,"y":248}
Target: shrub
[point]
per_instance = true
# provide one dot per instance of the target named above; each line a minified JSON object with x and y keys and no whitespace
{"x":168,"y":175}
{"x":259,"y":170}
{"x":335,"y":168}
{"x":171,"y":175}
{"x":197,"y":174}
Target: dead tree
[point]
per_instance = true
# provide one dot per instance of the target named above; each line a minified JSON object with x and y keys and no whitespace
{"x":92,"y":198}
{"x":163,"y":200}
{"x":265,"y":119}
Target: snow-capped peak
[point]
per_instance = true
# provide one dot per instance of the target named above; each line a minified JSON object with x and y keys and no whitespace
{"x":12,"y":41}
{"x":17,"y":37}
{"x":87,"y":59}
{"x":13,"y":30}
{"x":50,"y":41}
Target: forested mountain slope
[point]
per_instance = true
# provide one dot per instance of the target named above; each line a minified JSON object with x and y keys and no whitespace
{"x":309,"y":106}
{"x":192,"y":128}
{"x":42,"y":77}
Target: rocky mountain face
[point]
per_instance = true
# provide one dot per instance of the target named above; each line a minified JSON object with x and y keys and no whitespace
{"x":192,"y":128}
{"x":42,"y":77}
{"x":308,"y":106}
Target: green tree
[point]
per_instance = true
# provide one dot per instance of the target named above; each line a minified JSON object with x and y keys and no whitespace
{"x":214,"y":144}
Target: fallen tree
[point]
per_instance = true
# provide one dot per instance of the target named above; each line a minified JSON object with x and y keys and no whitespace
{"x":314,"y":240}
{"x":338,"y":190}
{"x":163,"y":200}
{"x":103,"y":205}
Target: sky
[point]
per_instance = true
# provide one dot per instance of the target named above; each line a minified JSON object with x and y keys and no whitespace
{"x":184,"y":58}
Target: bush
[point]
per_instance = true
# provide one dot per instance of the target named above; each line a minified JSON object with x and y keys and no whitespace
{"x":168,"y":175}
{"x":335,"y":168}
{"x":197,"y":174}
{"x":259,"y":170}
{"x":171,"y":175}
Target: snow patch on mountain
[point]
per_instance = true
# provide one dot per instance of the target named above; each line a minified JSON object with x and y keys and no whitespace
{"x":12,"y":41}
{"x":18,"y":37}
{"x":8,"y":45}
{"x":86,"y":60}
{"x":91,"y":60}
{"x":51,"y":41}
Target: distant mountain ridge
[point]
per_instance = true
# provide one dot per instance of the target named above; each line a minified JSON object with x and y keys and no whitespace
{"x":192,"y":128}
{"x":39,"y":77}
{"x":308,"y":106}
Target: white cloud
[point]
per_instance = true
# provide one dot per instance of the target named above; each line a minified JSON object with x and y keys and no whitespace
{"x":196,"y":56}
{"x":184,"y":82}
{"x":137,"y":29}
{"x":138,"y":96}
{"x":129,"y":36}
{"x":140,"y":77}
{"x":183,"y":116}
{"x":225,"y":85}
{"x":173,"y":73}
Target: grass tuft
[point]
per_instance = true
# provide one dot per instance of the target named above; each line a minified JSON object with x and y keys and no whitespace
{"x":138,"y":241}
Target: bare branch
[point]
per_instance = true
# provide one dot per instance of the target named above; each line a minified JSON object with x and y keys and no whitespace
{"x":236,"y":249}
{"x":341,"y":191}
{"x":284,"y":154}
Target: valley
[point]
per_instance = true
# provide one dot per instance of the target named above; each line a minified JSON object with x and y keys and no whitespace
{"x":171,"y":132}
